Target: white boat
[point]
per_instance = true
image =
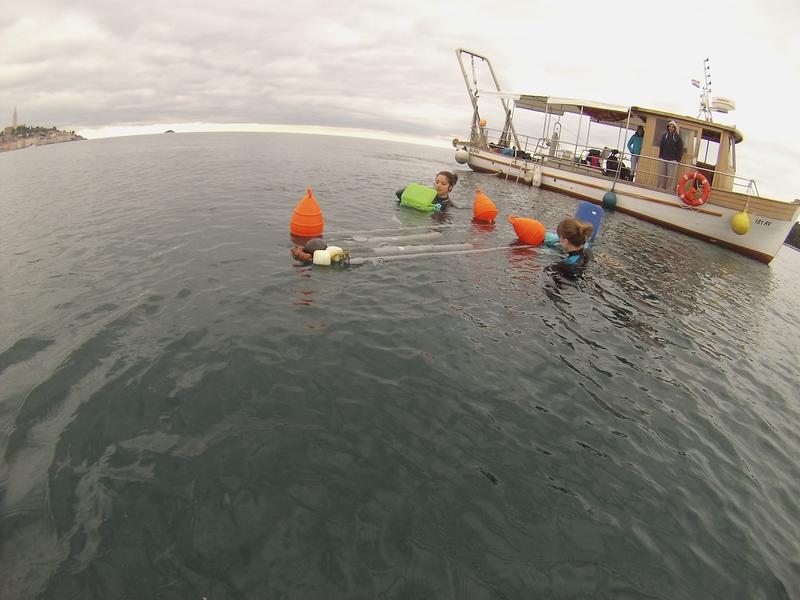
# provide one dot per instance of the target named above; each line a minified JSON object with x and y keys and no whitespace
{"x":582,"y":170}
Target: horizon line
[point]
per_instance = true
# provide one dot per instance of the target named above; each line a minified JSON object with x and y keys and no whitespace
{"x":110,"y":131}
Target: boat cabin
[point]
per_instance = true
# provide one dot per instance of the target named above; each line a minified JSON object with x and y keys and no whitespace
{"x":708,"y":147}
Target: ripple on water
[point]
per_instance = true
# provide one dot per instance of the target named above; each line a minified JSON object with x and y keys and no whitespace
{"x":186,"y":413}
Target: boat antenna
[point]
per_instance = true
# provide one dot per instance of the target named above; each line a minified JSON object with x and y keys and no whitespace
{"x":705,"y":92}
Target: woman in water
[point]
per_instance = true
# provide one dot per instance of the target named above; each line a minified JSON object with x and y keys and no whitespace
{"x":445,"y":181}
{"x":572,"y":235}
{"x":443,"y":184}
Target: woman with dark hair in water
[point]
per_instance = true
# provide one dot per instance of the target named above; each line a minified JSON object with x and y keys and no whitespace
{"x":443,"y":184}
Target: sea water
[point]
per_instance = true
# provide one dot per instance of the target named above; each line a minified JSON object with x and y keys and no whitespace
{"x":186,"y":412}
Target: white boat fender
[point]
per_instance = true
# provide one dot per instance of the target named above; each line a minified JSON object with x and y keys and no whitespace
{"x":332,"y":255}
{"x":322,"y":258}
{"x":537,"y":175}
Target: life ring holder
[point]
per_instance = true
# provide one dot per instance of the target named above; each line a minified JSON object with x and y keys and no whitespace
{"x":688,"y":197}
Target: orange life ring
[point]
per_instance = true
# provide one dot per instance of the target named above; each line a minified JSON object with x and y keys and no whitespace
{"x":688,"y":197}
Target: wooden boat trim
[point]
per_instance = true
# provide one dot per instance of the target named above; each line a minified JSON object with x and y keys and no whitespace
{"x":755,"y":254}
{"x":627,"y":193}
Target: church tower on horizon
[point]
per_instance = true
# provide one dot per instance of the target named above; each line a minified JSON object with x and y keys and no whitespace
{"x":14,"y":119}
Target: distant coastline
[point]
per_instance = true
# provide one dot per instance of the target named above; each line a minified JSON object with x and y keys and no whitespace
{"x":23,"y":136}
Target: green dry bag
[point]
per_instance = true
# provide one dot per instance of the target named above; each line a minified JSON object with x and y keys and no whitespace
{"x":418,"y":196}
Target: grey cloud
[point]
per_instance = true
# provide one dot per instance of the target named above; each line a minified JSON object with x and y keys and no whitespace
{"x":376,"y":64}
{"x":305,"y":64}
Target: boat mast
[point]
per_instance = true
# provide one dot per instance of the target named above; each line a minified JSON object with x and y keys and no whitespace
{"x":705,"y":93}
{"x":472,"y":88}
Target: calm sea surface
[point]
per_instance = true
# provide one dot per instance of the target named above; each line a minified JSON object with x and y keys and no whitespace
{"x":185,"y":412}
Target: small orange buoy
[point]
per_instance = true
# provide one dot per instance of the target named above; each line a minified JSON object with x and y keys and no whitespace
{"x":483,"y":209}
{"x":307,"y":218}
{"x":529,"y":231}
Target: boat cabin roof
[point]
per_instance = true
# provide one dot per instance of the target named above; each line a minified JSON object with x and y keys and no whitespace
{"x":711,"y":131}
{"x":609,"y":114}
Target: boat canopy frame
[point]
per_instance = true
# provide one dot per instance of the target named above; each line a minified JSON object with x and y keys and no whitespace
{"x":600,"y":112}
{"x":623,"y":118}
{"x":604,"y":113}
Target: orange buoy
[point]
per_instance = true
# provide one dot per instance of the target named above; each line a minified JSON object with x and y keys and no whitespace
{"x":307,"y":218}
{"x":529,"y":231}
{"x":483,"y":209}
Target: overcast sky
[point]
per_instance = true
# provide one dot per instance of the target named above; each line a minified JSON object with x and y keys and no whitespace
{"x":107,"y":66}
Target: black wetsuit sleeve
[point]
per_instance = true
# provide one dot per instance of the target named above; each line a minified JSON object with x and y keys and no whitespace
{"x":399,"y":193}
{"x":573,"y":265}
{"x":567,"y":268}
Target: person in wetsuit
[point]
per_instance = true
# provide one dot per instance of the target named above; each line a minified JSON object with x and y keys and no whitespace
{"x":443,"y":184}
{"x":572,"y":235}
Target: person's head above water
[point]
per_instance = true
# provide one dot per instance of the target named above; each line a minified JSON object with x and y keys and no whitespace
{"x":444,"y":182}
{"x":574,"y":231}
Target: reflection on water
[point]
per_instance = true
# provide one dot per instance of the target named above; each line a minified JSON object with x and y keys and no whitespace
{"x":187,"y":413}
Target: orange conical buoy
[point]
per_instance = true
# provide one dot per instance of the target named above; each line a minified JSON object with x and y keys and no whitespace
{"x":529,"y":231}
{"x":483,"y":209}
{"x":307,"y":218}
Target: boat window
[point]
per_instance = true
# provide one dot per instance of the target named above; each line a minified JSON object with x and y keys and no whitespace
{"x":659,"y":131}
{"x":689,"y":137}
{"x":731,"y":153}
{"x":709,"y":148}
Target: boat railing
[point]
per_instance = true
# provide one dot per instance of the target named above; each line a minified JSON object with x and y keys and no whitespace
{"x":536,"y":147}
{"x":585,"y":156}
{"x":749,"y":185}
{"x":495,"y":140}
{"x":741,"y":185}
{"x":579,"y":156}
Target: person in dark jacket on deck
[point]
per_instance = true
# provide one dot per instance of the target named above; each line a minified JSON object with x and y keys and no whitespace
{"x":670,"y":151}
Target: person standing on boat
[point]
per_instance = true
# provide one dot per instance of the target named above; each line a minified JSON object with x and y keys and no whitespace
{"x":635,"y":148}
{"x":670,"y":152}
